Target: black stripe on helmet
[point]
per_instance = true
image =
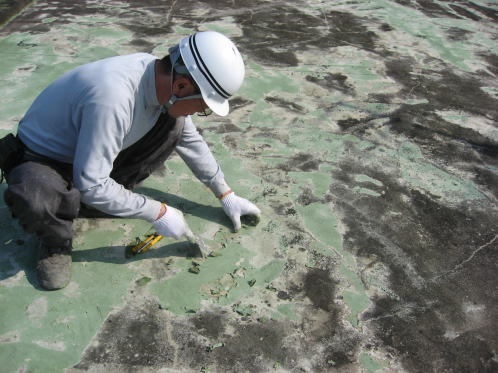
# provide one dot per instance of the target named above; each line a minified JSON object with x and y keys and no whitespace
{"x":204,"y":70}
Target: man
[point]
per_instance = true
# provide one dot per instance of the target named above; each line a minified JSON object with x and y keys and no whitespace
{"x":100,"y":129}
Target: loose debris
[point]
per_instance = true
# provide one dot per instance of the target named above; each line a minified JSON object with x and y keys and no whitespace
{"x":143,"y":281}
{"x":195,"y":268}
{"x":215,"y":346}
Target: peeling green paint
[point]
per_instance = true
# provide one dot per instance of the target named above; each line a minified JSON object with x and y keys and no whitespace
{"x":366,"y":191}
{"x":370,"y":364}
{"x":421,"y":174}
{"x":367,"y":179}
{"x":357,"y":303}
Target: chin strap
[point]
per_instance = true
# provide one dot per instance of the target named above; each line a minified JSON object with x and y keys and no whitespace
{"x":167,"y":105}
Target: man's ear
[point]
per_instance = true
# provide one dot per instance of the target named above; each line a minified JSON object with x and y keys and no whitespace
{"x":182,"y":86}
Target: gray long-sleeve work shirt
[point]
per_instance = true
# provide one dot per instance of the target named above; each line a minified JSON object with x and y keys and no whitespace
{"x":88,"y":115}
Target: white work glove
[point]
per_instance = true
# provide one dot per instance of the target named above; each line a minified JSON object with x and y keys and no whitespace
{"x":172,"y":224}
{"x":235,"y":207}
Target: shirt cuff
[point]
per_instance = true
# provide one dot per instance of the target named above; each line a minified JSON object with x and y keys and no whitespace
{"x":218,"y":187}
{"x":152,"y":211}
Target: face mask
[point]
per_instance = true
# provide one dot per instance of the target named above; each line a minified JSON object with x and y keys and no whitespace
{"x":174,"y":54}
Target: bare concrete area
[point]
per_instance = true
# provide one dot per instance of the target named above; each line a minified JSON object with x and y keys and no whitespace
{"x":367,"y":133}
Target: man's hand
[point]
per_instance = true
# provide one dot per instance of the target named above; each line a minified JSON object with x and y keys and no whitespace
{"x":172,"y":224}
{"x":235,"y":207}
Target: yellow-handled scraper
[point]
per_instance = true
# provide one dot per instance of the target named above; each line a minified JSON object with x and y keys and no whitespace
{"x":199,"y":248}
{"x":146,"y":244}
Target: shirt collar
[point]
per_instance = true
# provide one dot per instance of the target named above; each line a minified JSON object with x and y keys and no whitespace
{"x":150,"y":85}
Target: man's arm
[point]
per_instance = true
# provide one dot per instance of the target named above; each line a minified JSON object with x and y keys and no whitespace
{"x":100,"y":140}
{"x":196,"y":154}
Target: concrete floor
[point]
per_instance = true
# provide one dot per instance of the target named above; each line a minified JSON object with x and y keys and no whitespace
{"x":366,"y":131}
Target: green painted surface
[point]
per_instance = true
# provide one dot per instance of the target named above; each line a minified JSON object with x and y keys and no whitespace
{"x":313,"y":176}
{"x":288,"y":311}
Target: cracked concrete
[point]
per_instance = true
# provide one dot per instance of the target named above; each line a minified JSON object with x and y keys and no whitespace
{"x":366,"y":131}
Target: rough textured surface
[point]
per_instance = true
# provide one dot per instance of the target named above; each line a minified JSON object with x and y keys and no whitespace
{"x":367,"y":133}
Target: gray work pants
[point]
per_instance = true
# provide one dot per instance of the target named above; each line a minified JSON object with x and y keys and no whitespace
{"x":44,"y":201}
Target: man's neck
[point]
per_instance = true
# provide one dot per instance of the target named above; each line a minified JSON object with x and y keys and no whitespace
{"x":163,"y":83}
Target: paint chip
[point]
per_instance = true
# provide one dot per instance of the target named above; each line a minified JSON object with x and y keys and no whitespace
{"x":143,"y":281}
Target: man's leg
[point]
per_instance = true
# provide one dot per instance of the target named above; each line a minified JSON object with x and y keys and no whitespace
{"x":45,"y":204}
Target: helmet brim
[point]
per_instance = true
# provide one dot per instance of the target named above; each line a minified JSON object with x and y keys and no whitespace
{"x":220,"y":108}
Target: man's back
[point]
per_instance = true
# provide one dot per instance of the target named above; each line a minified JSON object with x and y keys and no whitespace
{"x":53,"y":123}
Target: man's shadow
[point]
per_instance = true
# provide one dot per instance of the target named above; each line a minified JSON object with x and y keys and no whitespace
{"x":120,"y":254}
{"x":24,"y":256}
{"x":208,"y":213}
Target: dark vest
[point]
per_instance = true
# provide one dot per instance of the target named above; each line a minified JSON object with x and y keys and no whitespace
{"x":137,"y":162}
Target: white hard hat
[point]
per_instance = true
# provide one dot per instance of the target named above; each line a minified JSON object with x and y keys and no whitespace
{"x":216,"y":65}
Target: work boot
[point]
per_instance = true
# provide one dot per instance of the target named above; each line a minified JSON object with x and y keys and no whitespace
{"x":54,"y":267}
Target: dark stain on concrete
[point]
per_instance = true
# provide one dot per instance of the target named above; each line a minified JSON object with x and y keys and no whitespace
{"x":231,"y":142}
{"x":143,"y":45}
{"x":133,"y":337}
{"x":292,"y":240}
{"x":492,"y":60}
{"x":267,"y":29}
{"x":464,"y":12}
{"x":461,"y":147}
{"x":307,"y":197}
{"x":429,"y":7}
{"x":418,"y":322}
{"x":487,"y":11}
{"x":255,"y":347}
{"x":322,"y":327}
{"x":269,"y":133}
{"x":64,"y":12}
{"x":380,"y":98}
{"x":320,"y":289}
{"x":251,"y":346}
{"x":285,"y":104}
{"x":348,"y":30}
{"x":386,"y":27}
{"x":336,"y":82}
{"x":9,"y":8}
{"x":284,"y":295}
{"x":420,"y":121}
{"x":300,"y":162}
{"x":348,"y":123}
{"x":280,"y":208}
{"x":458,"y":34}
{"x":267,"y":32}
{"x":436,"y":86}
{"x":486,"y":178}
{"x":227,"y":128}
{"x":238,"y":102}
{"x":210,"y":324}
{"x":147,"y":337}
